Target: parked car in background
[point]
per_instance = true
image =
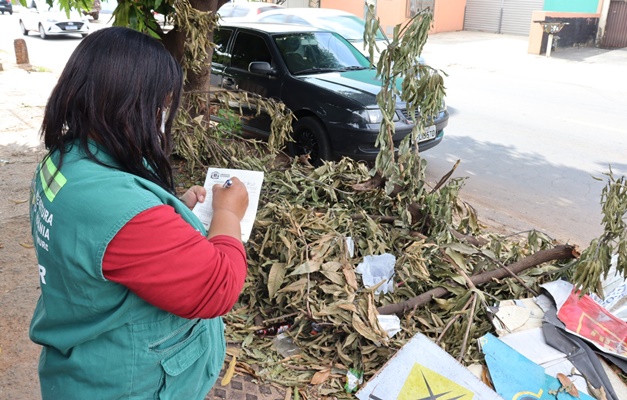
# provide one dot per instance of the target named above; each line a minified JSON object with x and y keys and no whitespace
{"x":245,"y":9}
{"x":51,"y":21}
{"x":321,"y":77}
{"x":346,"y":24}
{"x":6,"y":6}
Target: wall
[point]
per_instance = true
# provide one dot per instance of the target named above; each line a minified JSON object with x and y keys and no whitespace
{"x":391,"y":13}
{"x":352,"y":6}
{"x":581,"y":6}
{"x":448,"y":15}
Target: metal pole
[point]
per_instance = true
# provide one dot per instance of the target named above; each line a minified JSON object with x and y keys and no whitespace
{"x":549,"y":45}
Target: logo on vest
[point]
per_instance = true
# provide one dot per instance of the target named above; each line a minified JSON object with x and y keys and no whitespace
{"x":42,"y":274}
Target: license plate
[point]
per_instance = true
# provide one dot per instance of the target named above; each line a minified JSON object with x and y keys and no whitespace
{"x":71,"y":27}
{"x":428,"y":134}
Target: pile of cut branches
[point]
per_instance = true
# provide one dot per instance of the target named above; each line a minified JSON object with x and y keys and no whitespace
{"x":313,"y":228}
{"x":305,"y":317}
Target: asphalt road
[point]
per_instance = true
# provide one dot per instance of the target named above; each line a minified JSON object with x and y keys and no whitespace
{"x":531,"y":132}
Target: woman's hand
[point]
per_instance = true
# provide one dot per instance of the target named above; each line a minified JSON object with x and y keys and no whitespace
{"x":195,"y":194}
{"x":229,"y":206}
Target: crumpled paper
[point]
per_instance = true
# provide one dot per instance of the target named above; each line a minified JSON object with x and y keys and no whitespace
{"x":375,"y":269}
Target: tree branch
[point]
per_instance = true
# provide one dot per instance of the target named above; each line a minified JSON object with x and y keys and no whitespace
{"x":556,"y":253}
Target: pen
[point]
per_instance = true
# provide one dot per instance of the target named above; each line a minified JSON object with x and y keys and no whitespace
{"x":227,"y":183}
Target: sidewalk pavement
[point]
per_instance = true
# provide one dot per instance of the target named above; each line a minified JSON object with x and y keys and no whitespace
{"x":489,"y":50}
{"x":24,"y":95}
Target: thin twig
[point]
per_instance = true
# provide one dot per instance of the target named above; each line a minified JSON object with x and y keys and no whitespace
{"x":452,"y":320}
{"x":471,"y":318}
{"x":445,"y":178}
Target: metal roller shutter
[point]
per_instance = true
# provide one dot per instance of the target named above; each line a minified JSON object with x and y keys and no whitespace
{"x":295,"y":3}
{"x":517,"y":15}
{"x":483,"y":15}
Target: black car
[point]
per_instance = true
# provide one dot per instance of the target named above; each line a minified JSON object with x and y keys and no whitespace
{"x":323,"y":79}
{"x":6,"y":6}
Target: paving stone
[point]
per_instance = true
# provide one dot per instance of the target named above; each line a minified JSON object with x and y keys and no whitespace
{"x":244,"y":387}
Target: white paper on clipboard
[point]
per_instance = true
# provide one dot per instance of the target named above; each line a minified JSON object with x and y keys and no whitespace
{"x":251,"y":179}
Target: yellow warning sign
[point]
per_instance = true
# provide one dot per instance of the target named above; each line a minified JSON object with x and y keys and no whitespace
{"x":425,"y":384}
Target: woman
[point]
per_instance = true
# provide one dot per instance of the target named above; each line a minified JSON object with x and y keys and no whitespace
{"x":131,"y":289}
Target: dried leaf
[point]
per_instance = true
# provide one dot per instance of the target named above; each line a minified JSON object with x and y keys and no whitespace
{"x":275,"y":278}
{"x":568,"y":385}
{"x":457,"y":258}
{"x":228,"y":375}
{"x":351,"y":278}
{"x":371,"y":184}
{"x":297,"y":286}
{"x":331,"y":309}
{"x":347,"y":306}
{"x":461,"y":248}
{"x":364,"y":330}
{"x":233,"y":351}
{"x":332,"y":266}
{"x":307,"y":267}
{"x":321,"y":376}
{"x":334,"y":277}
{"x":19,"y":201}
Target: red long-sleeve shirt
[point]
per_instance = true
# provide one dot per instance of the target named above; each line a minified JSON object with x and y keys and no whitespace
{"x":166,"y":262}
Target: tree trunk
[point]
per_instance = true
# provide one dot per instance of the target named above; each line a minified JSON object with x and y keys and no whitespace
{"x":174,"y":41}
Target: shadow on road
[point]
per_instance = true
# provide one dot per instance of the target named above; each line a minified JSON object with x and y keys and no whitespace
{"x":562,"y":190}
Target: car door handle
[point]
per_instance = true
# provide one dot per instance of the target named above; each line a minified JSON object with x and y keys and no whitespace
{"x":229,"y":83}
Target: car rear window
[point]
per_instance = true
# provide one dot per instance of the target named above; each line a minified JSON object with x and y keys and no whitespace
{"x":351,"y":27}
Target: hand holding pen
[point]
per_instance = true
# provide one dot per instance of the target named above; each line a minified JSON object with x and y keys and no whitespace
{"x":230,"y":201}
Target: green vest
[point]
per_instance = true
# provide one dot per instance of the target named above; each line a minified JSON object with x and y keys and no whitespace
{"x":101,"y":341}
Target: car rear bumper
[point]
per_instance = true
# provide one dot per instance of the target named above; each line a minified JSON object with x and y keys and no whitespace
{"x":63,"y":29}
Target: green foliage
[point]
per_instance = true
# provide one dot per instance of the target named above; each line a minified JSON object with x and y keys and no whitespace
{"x":300,"y":266}
{"x":203,"y":142}
{"x":417,"y":85}
{"x":66,"y":5}
{"x":138,"y":15}
{"x":595,"y":261}
{"x":231,"y":123}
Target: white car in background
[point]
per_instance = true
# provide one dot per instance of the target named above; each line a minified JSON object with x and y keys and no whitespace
{"x":246,"y":9}
{"x":50,"y":20}
{"x":350,"y":26}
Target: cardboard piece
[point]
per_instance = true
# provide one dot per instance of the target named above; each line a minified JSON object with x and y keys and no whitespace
{"x":516,"y":377}
{"x":422,"y":370}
